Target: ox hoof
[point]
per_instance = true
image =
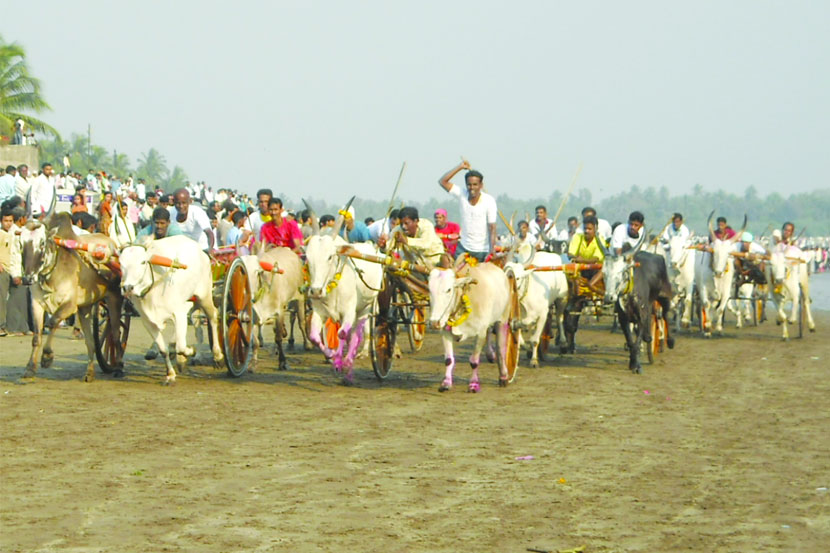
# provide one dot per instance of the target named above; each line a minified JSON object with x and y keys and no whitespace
{"x":89,"y":377}
{"x":169,"y":383}
{"x":118,"y":373}
{"x":445,"y":386}
{"x":347,"y":380}
{"x":474,"y":387}
{"x":637,"y":370}
{"x":284,"y":366}
{"x":502,"y":382}
{"x":29,"y":373}
{"x":670,"y":342}
{"x":151,"y":354}
{"x":46,"y":361}
{"x":491,"y":356}
{"x":812,"y":330}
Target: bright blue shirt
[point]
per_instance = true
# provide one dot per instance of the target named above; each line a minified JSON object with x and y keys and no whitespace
{"x":360,"y":232}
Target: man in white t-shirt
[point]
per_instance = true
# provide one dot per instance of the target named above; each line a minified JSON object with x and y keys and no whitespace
{"x":628,"y":233}
{"x":478,"y":213}
{"x":260,"y":216}
{"x":42,"y":192}
{"x":541,"y":228}
{"x":192,"y":219}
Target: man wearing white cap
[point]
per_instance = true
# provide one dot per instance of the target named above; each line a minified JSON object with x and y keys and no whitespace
{"x":751,"y":265}
{"x":355,"y":231}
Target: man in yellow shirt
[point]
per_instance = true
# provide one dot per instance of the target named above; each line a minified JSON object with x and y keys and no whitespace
{"x":419,"y":235}
{"x":585,"y":248}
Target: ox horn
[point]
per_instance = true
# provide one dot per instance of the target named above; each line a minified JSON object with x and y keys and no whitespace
{"x":342,"y":218}
{"x":643,"y":232}
{"x":529,"y":262}
{"x":711,"y":228}
{"x":740,"y":232}
{"x":315,"y":224}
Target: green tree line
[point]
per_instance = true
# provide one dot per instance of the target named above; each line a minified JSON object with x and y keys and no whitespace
{"x":807,"y":209}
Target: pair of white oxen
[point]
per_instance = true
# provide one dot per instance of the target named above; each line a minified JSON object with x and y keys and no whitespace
{"x":712,"y":271}
{"x":465,"y":304}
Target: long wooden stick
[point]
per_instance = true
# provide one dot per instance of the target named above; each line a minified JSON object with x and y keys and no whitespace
{"x":395,"y":191}
{"x":564,"y":200}
{"x":506,"y":223}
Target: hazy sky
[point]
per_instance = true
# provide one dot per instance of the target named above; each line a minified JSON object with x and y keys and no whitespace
{"x":328,"y":98}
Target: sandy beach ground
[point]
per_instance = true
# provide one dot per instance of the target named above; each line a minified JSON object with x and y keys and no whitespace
{"x":721,"y":445}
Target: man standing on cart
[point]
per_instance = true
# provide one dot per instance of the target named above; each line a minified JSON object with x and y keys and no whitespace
{"x":192,"y":219}
{"x":279,"y":231}
{"x":478,"y":213}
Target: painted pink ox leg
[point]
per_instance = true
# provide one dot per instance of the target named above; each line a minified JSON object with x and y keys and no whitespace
{"x":446,"y":384}
{"x":475,"y":383}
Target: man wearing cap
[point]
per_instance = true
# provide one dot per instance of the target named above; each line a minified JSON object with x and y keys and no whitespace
{"x":478,"y":212}
{"x":447,"y":230}
{"x":750,"y":265}
{"x":353,"y":230}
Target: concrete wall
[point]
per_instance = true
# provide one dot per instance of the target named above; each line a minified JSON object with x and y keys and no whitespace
{"x":18,"y":155}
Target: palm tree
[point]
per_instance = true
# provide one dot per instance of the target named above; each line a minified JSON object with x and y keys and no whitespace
{"x":19,"y":91}
{"x":177,"y":179}
{"x":153,"y":167}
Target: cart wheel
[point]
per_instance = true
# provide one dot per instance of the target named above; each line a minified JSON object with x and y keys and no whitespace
{"x":413,"y":317}
{"x":514,"y":333}
{"x":801,"y":311}
{"x":105,"y":350}
{"x":544,"y":340}
{"x":382,"y":335}
{"x":237,"y":319}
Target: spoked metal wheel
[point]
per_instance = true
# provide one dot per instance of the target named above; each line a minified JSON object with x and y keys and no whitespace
{"x":382,"y":335}
{"x":802,"y":314}
{"x":108,"y":355}
{"x":413,"y":316}
{"x":237,"y":319}
{"x":514,"y":332}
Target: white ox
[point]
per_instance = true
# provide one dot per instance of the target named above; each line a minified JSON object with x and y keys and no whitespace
{"x":714,"y":278}
{"x":788,"y":280}
{"x":541,"y":294}
{"x":681,"y":268}
{"x":277,"y":277}
{"x":344,"y":289}
{"x":468,"y":306}
{"x":161,"y":293}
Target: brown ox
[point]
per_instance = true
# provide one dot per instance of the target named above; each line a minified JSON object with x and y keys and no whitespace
{"x":64,"y":281}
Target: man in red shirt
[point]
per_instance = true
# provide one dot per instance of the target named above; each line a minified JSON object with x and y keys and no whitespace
{"x":724,"y":231}
{"x":280,"y":231}
{"x":447,"y":231}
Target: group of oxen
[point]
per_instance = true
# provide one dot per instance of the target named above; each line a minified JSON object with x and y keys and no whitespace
{"x":164,"y":279}
{"x":710,"y":271}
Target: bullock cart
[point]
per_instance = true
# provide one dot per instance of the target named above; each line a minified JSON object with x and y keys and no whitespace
{"x":402,"y":301}
{"x":232,"y":296}
{"x":585,"y":297}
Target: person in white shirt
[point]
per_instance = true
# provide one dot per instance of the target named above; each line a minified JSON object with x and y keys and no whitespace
{"x":22,"y":181}
{"x":604,"y":230}
{"x":260,"y":217}
{"x":141,"y":190}
{"x":42,"y":192}
{"x":541,"y":228}
{"x":676,"y":228}
{"x":192,"y":219}
{"x":478,"y":213}
{"x":122,"y":229}
{"x":567,"y":233}
{"x":628,"y":233}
